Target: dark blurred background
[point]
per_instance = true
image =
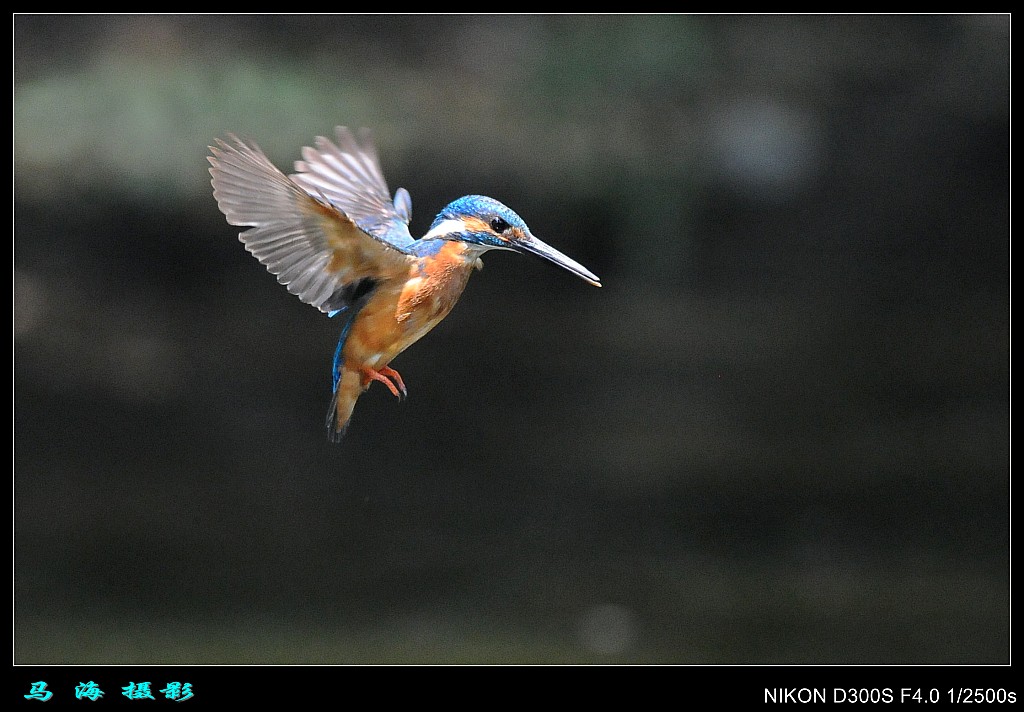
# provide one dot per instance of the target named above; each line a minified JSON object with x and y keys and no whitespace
{"x":779,"y":433}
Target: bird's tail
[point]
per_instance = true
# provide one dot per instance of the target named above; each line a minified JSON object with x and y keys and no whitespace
{"x":347,"y":390}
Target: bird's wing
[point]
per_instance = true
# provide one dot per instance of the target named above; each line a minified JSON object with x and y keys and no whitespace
{"x":315,"y":247}
{"x":348,"y":176}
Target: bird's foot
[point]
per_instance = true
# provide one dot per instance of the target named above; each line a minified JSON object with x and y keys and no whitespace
{"x":397,"y":378}
{"x":389,"y":377}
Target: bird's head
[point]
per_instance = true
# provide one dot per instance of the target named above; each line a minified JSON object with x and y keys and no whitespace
{"x":491,"y":225}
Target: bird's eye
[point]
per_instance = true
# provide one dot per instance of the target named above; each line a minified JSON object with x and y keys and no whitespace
{"x":499,"y":225}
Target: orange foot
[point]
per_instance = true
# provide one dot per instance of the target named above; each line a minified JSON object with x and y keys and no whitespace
{"x":386,"y":375}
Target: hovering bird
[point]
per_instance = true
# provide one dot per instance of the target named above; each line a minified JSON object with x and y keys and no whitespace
{"x":336,"y":239}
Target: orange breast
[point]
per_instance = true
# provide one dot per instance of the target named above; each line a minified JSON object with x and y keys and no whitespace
{"x":401,"y":312}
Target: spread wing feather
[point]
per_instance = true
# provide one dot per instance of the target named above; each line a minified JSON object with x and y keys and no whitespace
{"x":318,"y":238}
{"x":348,"y":175}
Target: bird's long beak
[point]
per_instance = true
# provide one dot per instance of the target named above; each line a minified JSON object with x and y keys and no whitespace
{"x":534,"y":246}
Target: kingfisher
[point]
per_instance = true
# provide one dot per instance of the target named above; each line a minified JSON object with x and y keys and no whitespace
{"x":335,"y":237}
